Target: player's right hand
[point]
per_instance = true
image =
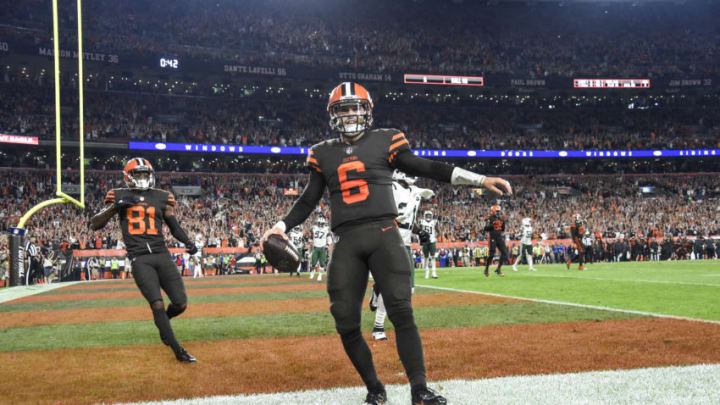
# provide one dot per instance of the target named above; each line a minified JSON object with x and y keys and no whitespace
{"x":497,"y":185}
{"x":191,"y":248}
{"x":272,"y":231}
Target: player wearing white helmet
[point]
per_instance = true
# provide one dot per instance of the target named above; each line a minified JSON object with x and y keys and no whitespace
{"x":297,"y":239}
{"x":319,"y":257}
{"x":526,"y":234}
{"x":407,"y":199}
{"x":197,"y":257}
{"x":428,"y":240}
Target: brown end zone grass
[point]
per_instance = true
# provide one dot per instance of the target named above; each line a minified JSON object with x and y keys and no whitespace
{"x":221,"y":309}
{"x":133,"y":373}
{"x":190,"y":292}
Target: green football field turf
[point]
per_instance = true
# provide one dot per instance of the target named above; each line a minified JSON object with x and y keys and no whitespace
{"x":679,"y":288}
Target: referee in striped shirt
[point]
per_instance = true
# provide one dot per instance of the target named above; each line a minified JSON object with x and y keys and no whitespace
{"x":34,"y":268}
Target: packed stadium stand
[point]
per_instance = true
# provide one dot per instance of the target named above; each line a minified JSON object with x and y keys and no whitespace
{"x":212,"y":95}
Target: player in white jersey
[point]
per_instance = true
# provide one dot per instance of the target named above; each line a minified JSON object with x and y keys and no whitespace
{"x":407,"y":199}
{"x":318,"y":259}
{"x":526,"y":234}
{"x":428,"y":239}
{"x":296,"y":238}
{"x":197,"y":257}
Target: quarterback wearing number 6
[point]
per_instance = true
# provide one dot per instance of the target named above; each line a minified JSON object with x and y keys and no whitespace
{"x":142,"y":210}
{"x":356,"y":168}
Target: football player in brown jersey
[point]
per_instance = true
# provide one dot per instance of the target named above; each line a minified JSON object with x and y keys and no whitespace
{"x":356,"y":167}
{"x":577,"y":230}
{"x":495,"y":227}
{"x":141,"y":210}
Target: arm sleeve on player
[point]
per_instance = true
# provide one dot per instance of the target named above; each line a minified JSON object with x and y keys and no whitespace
{"x":312,"y":163}
{"x":412,"y":165}
{"x":110,"y":197}
{"x":176,"y":230}
{"x":306,"y":203}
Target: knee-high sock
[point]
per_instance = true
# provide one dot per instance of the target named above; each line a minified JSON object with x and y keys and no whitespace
{"x":163,"y":324}
{"x":409,"y":345}
{"x":359,"y":353}
{"x":380,"y":313}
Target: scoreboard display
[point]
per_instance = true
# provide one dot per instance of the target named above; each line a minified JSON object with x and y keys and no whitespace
{"x":445,"y":80}
{"x":611,"y":83}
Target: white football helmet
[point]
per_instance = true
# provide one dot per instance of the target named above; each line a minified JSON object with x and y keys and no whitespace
{"x":526,"y":222}
{"x":321,"y":221}
{"x":428,"y":215}
{"x":401,"y":176}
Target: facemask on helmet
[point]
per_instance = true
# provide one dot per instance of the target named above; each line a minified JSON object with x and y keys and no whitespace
{"x":139,"y":174}
{"x":526,"y":222}
{"x":428,"y":215}
{"x":321,"y":221}
{"x":350,"y":108}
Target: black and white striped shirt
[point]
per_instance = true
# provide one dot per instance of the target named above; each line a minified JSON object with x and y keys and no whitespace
{"x":32,"y":250}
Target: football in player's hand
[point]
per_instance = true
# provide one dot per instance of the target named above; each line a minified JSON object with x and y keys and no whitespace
{"x":281,"y":254}
{"x":126,"y":202}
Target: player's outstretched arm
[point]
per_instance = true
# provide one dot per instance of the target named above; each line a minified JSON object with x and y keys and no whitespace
{"x":413,"y":165}
{"x":302,"y":208}
{"x":177,"y":231}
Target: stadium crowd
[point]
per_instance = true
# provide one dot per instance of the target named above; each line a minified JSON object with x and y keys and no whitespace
{"x":232,"y":210}
{"x":535,"y":41}
{"x":490,"y":122}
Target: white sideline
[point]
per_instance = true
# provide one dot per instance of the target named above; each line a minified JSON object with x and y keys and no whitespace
{"x":13,"y":293}
{"x":572,"y":304}
{"x":630,"y":281}
{"x":697,"y":385}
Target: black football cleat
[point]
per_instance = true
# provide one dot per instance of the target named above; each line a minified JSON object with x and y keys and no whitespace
{"x":183,"y":356}
{"x":426,"y":396}
{"x":487,"y":273}
{"x":375,"y":398}
{"x":499,"y":273}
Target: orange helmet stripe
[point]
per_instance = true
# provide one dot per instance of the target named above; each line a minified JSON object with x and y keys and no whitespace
{"x":349,"y":90}
{"x":361,"y":92}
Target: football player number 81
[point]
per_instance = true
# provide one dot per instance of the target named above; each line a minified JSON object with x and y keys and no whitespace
{"x":136,"y":220}
{"x":352,"y":190}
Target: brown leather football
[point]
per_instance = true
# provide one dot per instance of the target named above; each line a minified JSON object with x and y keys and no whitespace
{"x":281,"y":254}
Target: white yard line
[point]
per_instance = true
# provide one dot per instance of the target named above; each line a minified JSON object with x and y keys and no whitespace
{"x":627,"y":281}
{"x":696,"y":385}
{"x":572,"y":304}
{"x":13,"y":293}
